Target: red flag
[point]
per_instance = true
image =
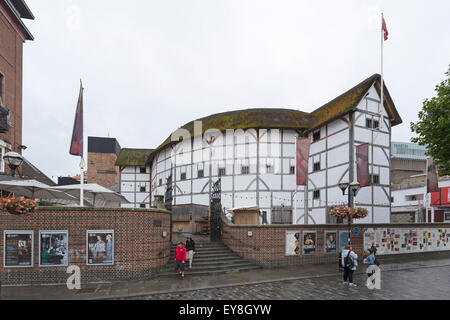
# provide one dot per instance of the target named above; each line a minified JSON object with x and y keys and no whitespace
{"x":384,"y":28}
{"x":76,"y":145}
{"x":302,"y":157}
{"x":362,"y":164}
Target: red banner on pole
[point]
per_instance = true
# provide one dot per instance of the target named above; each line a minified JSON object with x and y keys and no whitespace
{"x":362,"y":164}
{"x":302,"y":157}
{"x":76,"y":143}
{"x":432,"y":179}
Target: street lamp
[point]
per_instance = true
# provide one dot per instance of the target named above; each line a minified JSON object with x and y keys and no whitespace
{"x":353,"y":189}
{"x":13,"y":160}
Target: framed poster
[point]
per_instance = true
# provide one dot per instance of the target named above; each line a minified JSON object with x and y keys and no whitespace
{"x":18,"y":249}
{"x":53,"y":248}
{"x":344,"y":239}
{"x":100,"y":247}
{"x":330,"y":241}
{"x":309,"y":242}
{"x":293,"y":242}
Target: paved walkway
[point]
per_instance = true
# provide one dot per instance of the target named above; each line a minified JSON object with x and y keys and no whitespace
{"x":301,"y":282}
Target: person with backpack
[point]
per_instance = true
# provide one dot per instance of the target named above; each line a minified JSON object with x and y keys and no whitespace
{"x":180,"y":258}
{"x":190,"y":248}
{"x":349,"y":262}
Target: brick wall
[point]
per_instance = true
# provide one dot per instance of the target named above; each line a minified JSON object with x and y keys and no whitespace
{"x":11,"y":46}
{"x":101,"y":169}
{"x":139,"y":246}
{"x":267,"y":245}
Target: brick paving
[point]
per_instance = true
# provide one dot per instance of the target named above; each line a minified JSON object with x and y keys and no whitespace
{"x":420,"y":283}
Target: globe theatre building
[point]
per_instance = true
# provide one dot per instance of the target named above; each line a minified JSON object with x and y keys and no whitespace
{"x":254,"y":153}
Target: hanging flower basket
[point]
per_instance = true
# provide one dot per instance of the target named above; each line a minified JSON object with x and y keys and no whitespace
{"x":341,"y":212}
{"x":17,"y":206}
{"x":359,"y":213}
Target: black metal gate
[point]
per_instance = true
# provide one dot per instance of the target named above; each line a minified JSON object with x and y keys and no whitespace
{"x":216,"y":210}
{"x":168,"y":200}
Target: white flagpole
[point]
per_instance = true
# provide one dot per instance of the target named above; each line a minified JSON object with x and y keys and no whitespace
{"x":382,"y":82}
{"x":82,"y":164}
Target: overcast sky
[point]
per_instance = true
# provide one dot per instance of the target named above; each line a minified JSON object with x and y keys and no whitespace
{"x":149,"y":67}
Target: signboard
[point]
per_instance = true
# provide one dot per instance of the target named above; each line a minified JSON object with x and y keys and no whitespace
{"x":17,"y":249}
{"x":53,"y":248}
{"x":344,"y":239}
{"x":402,"y":240}
{"x":355,"y":230}
{"x":309,"y":242}
{"x":293,"y":242}
{"x":100,"y":247}
{"x":330,"y":241}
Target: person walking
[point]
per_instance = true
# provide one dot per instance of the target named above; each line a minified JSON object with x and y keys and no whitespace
{"x":349,"y":262}
{"x":190,"y":249}
{"x":180,"y":258}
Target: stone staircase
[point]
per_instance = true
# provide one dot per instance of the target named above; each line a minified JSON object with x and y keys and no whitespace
{"x":210,"y":258}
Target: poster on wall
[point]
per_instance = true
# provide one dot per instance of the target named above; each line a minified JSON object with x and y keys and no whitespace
{"x":402,"y":240}
{"x":330,"y":241}
{"x":18,"y":249}
{"x":344,"y":239}
{"x":309,"y":242}
{"x":53,"y":248}
{"x":292,"y":242}
{"x":100,"y":245}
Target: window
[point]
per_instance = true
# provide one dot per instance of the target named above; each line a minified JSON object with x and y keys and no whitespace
{"x":316,"y":166}
{"x":413,"y":197}
{"x":183,"y":176}
{"x":392,"y":199}
{"x":142,"y":189}
{"x":316,"y":136}
{"x":269,"y":168}
{"x":200,"y":173}
{"x":143,"y":170}
{"x":292,"y":170}
{"x":376,"y":124}
{"x":447,"y":216}
{"x":160,"y":182}
{"x":316,"y":194}
{"x":2,"y":161}
{"x":222,"y":172}
{"x":142,"y":205}
{"x":375,"y":178}
{"x":372,"y":123}
{"x":1,"y":87}
{"x":245,"y":170}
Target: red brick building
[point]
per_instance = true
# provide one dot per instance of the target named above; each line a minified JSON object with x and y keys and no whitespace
{"x":102,"y":156}
{"x":13,"y":34}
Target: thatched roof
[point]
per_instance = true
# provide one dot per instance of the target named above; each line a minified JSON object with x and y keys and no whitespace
{"x":133,"y":157}
{"x":288,"y":118}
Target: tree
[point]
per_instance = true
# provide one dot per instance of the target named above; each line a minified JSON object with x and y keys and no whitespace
{"x":433,"y":127}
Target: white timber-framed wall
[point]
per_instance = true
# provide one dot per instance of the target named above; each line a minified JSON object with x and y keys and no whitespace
{"x":270,"y":156}
{"x":336,"y":153}
{"x":131,"y":182}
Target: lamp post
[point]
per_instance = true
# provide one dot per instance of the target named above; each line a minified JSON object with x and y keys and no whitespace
{"x":353,"y":189}
{"x":14,"y":160}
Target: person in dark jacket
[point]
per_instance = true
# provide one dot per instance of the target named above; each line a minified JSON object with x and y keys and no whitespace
{"x":180,"y":258}
{"x":190,"y":249}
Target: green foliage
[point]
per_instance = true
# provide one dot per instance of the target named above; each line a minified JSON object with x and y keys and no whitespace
{"x":433,"y":127}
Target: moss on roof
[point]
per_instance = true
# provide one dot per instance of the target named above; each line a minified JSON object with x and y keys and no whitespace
{"x":287,"y":118}
{"x":133,"y":157}
{"x":250,"y":118}
{"x":342,"y":104}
